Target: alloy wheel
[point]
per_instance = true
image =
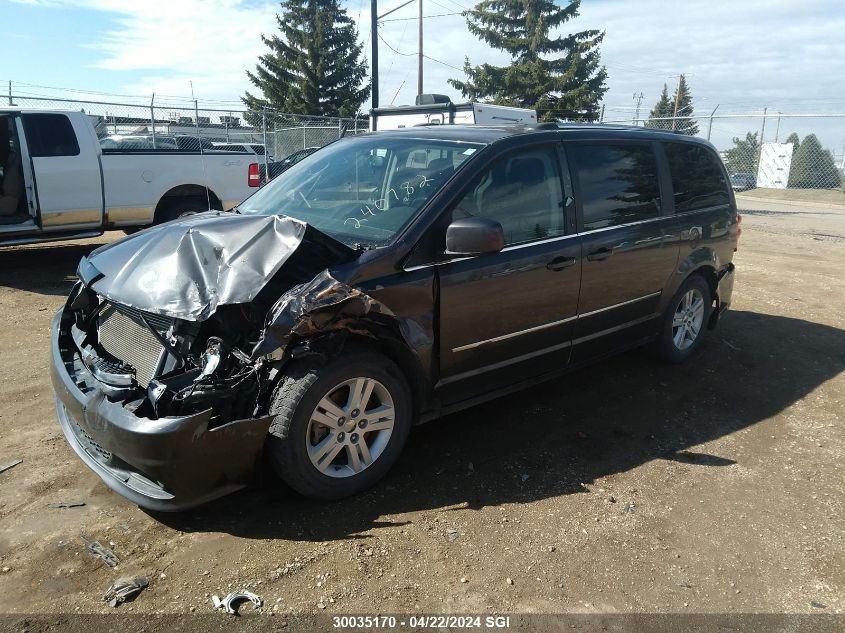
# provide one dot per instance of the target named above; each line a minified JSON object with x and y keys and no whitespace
{"x":688,"y":319}
{"x":350,"y":427}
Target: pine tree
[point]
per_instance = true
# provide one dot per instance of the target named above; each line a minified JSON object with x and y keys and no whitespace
{"x":561,"y":76}
{"x":743,"y":156}
{"x":661,"y":110}
{"x":683,"y":99}
{"x":813,"y":166}
{"x":315,"y":67}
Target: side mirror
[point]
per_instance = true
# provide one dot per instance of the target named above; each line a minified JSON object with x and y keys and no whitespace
{"x":474,"y":236}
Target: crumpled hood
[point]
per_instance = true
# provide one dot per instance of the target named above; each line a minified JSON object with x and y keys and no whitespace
{"x":186,"y":268}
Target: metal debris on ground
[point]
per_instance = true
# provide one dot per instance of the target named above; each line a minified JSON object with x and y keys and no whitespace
{"x":8,"y":465}
{"x":230,"y":602}
{"x":124,"y":589}
{"x":66,"y":504}
{"x":97,"y":550}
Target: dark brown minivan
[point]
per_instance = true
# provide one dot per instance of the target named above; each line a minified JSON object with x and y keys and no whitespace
{"x":383,"y":281}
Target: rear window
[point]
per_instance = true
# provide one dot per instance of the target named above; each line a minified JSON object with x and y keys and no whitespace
{"x":618,"y":183}
{"x":50,"y":135}
{"x":698,"y":180}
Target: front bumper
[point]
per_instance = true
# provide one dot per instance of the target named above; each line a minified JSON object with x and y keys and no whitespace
{"x":168,"y":464}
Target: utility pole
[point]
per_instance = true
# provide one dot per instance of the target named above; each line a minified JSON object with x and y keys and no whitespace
{"x":374,"y":53}
{"x":777,"y":127}
{"x":639,"y":98}
{"x":420,"y":55}
{"x":677,"y":99}
{"x":763,"y":130}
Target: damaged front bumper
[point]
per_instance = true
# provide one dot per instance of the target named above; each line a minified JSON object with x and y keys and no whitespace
{"x":165,"y":464}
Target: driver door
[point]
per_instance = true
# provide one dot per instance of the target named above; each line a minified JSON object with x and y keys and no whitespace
{"x":509,"y":316}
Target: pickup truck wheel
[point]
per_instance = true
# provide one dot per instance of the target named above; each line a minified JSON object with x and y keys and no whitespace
{"x":339,"y":427}
{"x":685,"y":321}
{"x":180,"y":208}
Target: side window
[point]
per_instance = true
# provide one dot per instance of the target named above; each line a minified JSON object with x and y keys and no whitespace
{"x":618,"y":182}
{"x":50,"y":135}
{"x":522,"y":192}
{"x":697,"y":177}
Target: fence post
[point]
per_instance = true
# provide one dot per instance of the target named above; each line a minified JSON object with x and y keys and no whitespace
{"x":264,"y":135}
{"x":710,"y":125}
{"x":153,"y":119}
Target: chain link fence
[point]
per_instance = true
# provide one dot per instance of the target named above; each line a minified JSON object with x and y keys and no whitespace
{"x":763,"y":151}
{"x":794,"y":156}
{"x":168,"y":126}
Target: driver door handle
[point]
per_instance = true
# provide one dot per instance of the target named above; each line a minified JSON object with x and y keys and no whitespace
{"x":559,"y":263}
{"x":600,"y":255}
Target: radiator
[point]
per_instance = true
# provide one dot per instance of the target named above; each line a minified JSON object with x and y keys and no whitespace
{"x":124,"y":335}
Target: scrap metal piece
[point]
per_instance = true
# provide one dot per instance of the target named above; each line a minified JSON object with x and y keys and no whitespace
{"x":66,"y":504}
{"x":11,"y":464}
{"x":124,"y":589}
{"x":229,"y":603}
{"x":97,"y":550}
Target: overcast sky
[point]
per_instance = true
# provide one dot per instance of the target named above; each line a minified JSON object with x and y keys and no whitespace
{"x":742,"y":55}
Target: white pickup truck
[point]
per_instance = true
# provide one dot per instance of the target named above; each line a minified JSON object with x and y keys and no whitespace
{"x":57,"y":182}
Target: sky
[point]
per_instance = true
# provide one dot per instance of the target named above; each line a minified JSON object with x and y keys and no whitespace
{"x":742,"y":55}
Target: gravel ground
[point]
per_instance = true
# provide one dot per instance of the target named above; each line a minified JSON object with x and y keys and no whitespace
{"x":631,"y":486}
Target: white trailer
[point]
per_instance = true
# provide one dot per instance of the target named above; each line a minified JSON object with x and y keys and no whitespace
{"x":439,"y":110}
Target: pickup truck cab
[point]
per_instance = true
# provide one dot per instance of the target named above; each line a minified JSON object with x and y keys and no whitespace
{"x":383,"y":281}
{"x":58,"y":182}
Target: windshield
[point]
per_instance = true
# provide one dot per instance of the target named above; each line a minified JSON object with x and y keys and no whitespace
{"x":362,"y":191}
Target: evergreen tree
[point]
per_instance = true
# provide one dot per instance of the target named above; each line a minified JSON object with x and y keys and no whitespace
{"x":561,"y":76}
{"x":314,"y":66}
{"x":796,"y":143}
{"x":813,"y":166}
{"x":661,"y":110}
{"x":683,"y":99}
{"x":743,"y":156}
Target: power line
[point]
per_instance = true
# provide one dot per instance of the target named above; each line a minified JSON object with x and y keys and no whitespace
{"x":386,"y":43}
{"x":436,"y":15}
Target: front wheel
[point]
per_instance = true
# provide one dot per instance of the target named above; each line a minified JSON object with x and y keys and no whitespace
{"x":685,"y":321}
{"x":339,"y":427}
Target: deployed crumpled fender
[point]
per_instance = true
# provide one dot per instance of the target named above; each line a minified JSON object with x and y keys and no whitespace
{"x":321,"y":305}
{"x":186,"y":268}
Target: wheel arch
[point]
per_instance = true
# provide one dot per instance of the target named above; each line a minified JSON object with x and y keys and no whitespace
{"x":187,"y":191}
{"x":372,"y":337}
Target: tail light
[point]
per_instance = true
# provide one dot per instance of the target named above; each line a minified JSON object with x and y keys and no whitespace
{"x":254,"y":176}
{"x":738,"y":229}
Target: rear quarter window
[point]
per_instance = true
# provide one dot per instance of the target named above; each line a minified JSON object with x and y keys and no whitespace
{"x":618,"y":182}
{"x":50,"y":135}
{"x":698,"y":180}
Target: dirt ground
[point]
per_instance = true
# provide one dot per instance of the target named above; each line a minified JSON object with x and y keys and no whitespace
{"x":633,"y":486}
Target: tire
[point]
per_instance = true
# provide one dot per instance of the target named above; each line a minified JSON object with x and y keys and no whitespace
{"x":302,"y":424}
{"x":684,"y":324}
{"x":180,"y":208}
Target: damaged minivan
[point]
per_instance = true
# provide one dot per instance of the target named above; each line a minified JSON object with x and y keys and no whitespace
{"x":383,"y":281}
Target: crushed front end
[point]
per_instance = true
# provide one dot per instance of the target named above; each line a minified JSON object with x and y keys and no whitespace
{"x":162,"y":409}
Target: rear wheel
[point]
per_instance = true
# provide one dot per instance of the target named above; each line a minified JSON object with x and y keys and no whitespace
{"x":180,"y":208}
{"x":339,"y":427}
{"x":685,"y":320}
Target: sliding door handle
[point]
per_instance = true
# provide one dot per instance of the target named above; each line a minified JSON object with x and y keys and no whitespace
{"x":559,"y":263}
{"x":600,"y":255}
